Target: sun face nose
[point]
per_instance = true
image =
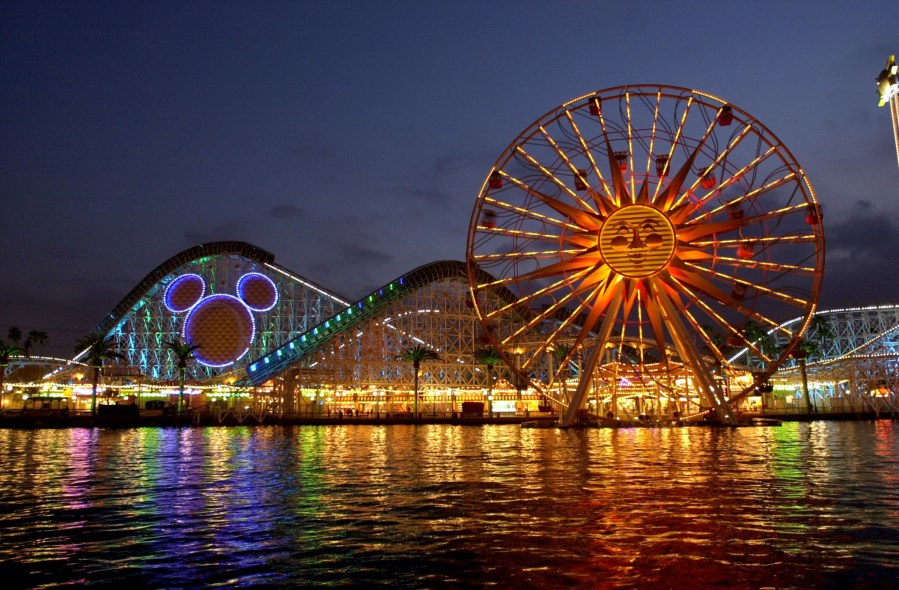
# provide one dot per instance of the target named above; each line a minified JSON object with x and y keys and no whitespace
{"x":636,"y":242}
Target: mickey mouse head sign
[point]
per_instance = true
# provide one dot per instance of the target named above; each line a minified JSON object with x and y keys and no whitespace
{"x":221,"y":324}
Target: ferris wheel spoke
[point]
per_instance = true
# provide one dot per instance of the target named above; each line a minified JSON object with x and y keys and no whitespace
{"x":559,"y":182}
{"x":764,"y":241}
{"x":747,"y":285}
{"x":558,"y":334}
{"x":690,"y":233}
{"x":516,"y":233}
{"x":689,"y":279}
{"x":709,"y":344}
{"x":530,"y":213}
{"x":535,"y":254}
{"x":535,"y":295}
{"x":766,"y":266}
{"x":754,"y":194}
{"x":602,"y":205}
{"x":737,"y":140}
{"x":619,"y":194}
{"x":784,"y":297}
{"x":574,"y":170}
{"x":586,"y":219}
{"x":576,"y":263}
{"x":671,"y":267}
{"x":712,"y":314}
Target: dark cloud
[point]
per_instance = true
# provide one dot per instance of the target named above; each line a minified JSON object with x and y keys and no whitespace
{"x":860,"y":267}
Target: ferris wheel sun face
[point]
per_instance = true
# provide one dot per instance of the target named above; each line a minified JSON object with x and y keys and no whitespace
{"x":637,"y":241}
{"x":654,"y":226}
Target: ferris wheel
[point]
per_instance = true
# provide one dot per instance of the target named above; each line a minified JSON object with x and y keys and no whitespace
{"x":651,"y":219}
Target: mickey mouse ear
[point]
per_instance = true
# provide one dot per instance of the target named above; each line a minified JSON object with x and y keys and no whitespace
{"x":184,"y":292}
{"x":257,"y":291}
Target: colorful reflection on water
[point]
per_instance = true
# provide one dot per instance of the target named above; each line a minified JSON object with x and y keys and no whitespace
{"x":797,"y":506}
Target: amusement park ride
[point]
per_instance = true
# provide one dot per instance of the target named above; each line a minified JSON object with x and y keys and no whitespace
{"x":888,"y":93}
{"x":643,"y":232}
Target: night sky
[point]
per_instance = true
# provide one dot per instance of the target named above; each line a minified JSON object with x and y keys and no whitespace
{"x":351,"y":139}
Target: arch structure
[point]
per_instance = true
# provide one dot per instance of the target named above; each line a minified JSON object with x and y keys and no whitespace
{"x":229,"y":298}
{"x":356,"y":353}
{"x":853,"y":364}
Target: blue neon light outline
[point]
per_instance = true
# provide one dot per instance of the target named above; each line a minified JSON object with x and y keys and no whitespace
{"x":178,"y":281}
{"x":239,"y":289}
{"x":199,"y":350}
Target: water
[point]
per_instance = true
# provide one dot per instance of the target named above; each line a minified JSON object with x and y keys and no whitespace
{"x":805,"y":505}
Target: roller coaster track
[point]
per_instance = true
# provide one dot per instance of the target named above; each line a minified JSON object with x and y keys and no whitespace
{"x":280,"y":359}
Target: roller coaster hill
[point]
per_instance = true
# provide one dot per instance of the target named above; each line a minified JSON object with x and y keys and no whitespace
{"x":274,"y":345}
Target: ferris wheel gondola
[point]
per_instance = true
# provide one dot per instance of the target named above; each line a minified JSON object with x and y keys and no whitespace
{"x":654,"y":217}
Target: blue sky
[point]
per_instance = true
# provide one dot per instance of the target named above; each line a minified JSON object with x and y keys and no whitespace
{"x":351,"y":138}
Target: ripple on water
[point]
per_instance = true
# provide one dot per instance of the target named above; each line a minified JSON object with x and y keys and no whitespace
{"x":803,"y":505}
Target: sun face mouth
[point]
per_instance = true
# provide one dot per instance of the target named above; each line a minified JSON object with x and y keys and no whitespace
{"x":637,"y":241}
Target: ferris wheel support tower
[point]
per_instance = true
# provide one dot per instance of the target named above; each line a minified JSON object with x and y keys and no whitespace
{"x":888,"y":91}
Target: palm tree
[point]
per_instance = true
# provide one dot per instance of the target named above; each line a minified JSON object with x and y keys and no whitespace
{"x":99,"y":348}
{"x":35,"y":337}
{"x":185,"y":352}
{"x":804,"y":349}
{"x":6,"y":351}
{"x":490,"y":357}
{"x":816,"y":337}
{"x":760,"y":339}
{"x":416,"y":355}
{"x":15,"y":335}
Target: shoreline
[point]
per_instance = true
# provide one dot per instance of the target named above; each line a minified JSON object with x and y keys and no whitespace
{"x":31,"y":421}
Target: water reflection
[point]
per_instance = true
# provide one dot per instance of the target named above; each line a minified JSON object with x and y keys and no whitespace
{"x":802,"y":505}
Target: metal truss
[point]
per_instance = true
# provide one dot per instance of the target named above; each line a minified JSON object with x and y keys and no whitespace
{"x":142,"y":323}
{"x":858,"y":363}
{"x":356,"y":352}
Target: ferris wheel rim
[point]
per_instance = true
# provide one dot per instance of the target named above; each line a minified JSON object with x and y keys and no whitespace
{"x":797,"y":176}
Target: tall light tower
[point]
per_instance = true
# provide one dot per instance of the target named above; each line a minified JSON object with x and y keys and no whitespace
{"x":888,"y":91}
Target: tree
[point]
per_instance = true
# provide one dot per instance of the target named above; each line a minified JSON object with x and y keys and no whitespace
{"x":15,"y":335}
{"x":817,"y":335}
{"x":6,"y":351}
{"x":184,"y":351}
{"x":99,"y":348}
{"x":416,"y":355}
{"x":35,"y":338}
{"x":755,"y":335}
{"x":489,"y":357}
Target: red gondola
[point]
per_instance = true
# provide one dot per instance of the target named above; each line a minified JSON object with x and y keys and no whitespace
{"x":813,"y":214}
{"x":662,"y":166}
{"x":725,"y":116}
{"x":580,"y":182}
{"x":621,"y":158}
{"x":746,"y":250}
{"x":738,"y":291}
{"x":496,"y":180}
{"x":489,"y":219}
